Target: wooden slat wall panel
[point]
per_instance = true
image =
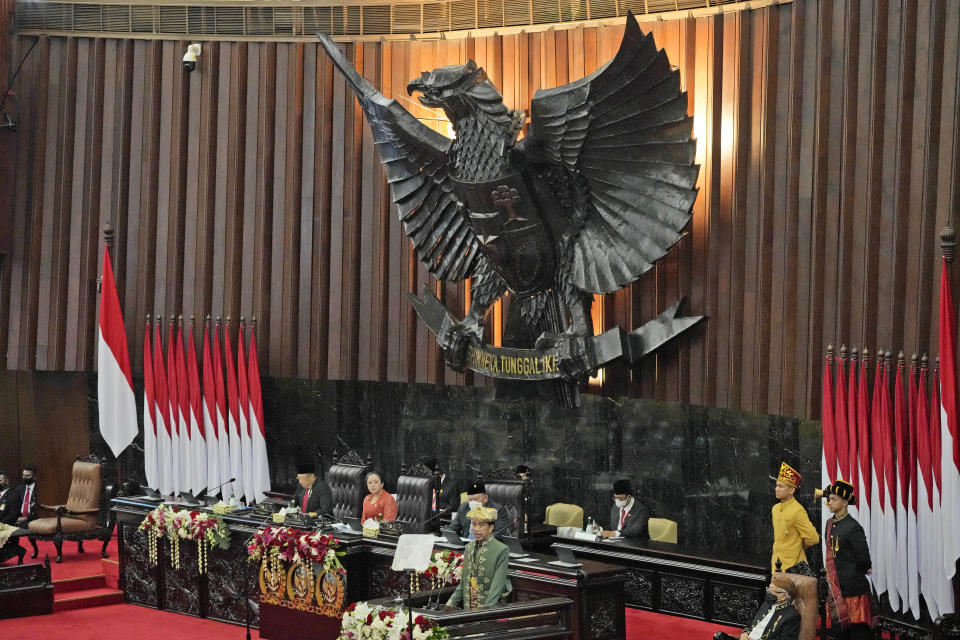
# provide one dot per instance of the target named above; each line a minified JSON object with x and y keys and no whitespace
{"x":828,"y":138}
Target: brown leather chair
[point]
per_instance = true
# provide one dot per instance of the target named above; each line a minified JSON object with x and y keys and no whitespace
{"x":806,"y":603}
{"x":85,"y":516}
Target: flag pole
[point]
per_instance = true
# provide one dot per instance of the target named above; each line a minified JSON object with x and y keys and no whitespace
{"x":108,"y":242}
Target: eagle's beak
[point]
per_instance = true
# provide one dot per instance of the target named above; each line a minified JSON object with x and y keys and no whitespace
{"x":417,"y":84}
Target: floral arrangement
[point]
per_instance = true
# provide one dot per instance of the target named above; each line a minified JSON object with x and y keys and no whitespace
{"x":446,"y":567}
{"x":361,"y":620}
{"x":274,"y":545}
{"x":175,"y":525}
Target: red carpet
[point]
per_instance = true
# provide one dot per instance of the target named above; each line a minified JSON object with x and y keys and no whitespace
{"x":85,"y":598}
{"x":82,"y":580}
{"x":120,"y":621}
{"x":644,"y":625}
{"x":147,"y":624}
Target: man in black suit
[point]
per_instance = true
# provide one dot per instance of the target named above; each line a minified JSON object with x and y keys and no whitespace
{"x":448,"y":501}
{"x":314,"y":495}
{"x":477,"y":497}
{"x":628,"y":516}
{"x":9,"y":546}
{"x":777,"y":619}
{"x":25,"y":498}
{"x":8,"y":513}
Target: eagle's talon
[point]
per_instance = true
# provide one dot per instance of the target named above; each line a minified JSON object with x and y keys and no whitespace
{"x":577,"y":362}
{"x":455,"y":339}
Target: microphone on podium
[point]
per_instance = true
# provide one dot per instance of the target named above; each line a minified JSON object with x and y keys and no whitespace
{"x":205,"y":491}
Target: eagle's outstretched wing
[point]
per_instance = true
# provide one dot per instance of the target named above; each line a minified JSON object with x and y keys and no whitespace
{"x":415,"y":158}
{"x":624,"y":129}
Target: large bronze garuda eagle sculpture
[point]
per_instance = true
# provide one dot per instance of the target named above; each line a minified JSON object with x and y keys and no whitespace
{"x":599,"y":188}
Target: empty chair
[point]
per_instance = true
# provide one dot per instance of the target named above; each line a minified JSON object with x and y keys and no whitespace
{"x":414,"y":497}
{"x":561,"y":514}
{"x":346,"y":480}
{"x":85,"y":516}
{"x":511,"y":495}
{"x":662,"y":530}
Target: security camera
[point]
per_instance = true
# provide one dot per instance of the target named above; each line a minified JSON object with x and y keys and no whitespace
{"x":190,"y":57}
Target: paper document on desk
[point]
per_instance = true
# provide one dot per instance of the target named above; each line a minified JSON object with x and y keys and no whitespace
{"x":413,"y":552}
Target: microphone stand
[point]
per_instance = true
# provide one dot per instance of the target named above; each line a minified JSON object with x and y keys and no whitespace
{"x":246,"y":588}
{"x":410,"y":573}
{"x":246,"y":594}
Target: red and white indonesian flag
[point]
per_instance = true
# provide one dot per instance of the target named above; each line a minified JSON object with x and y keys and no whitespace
{"x":198,"y":442}
{"x":828,"y":457}
{"x":210,"y":428}
{"x":149,"y":411}
{"x":949,"y":436}
{"x":910,"y":472}
{"x":233,"y":417}
{"x":877,"y":487}
{"x":258,"y":433}
{"x":176,"y":473}
{"x":183,"y":414}
{"x":244,"y":415}
{"x":221,"y":413}
{"x":162,"y":416}
{"x":117,"y":404}
{"x":899,"y":480}
{"x":862,"y":465}
{"x":939,"y":583}
{"x":888,"y":552}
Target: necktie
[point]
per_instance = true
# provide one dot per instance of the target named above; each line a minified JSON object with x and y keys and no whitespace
{"x":306,"y":496}
{"x":623,"y":518}
{"x":26,"y":503}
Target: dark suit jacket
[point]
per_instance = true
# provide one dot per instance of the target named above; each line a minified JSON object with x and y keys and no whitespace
{"x":320,"y":500}
{"x":785,"y":624}
{"x":461,"y":524}
{"x":8,"y":510}
{"x":853,"y":557}
{"x":635,"y":527}
{"x":17,"y":502}
{"x":449,"y":499}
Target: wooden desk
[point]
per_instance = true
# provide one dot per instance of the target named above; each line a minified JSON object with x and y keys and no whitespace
{"x":681,"y":581}
{"x":596,"y":588}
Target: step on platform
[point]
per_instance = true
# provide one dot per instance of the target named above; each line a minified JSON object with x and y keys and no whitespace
{"x":84,"y":592}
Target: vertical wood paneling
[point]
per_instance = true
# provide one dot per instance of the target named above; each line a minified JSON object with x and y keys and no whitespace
{"x":827,"y":135}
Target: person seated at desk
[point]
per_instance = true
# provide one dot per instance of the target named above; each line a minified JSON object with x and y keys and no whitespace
{"x":628,"y":516}
{"x":314,"y":495}
{"x":477,"y":497}
{"x":485,"y":581}
{"x":379,"y":505}
{"x":777,"y":619}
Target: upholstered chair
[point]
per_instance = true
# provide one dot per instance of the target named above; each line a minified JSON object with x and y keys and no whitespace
{"x":84,"y":516}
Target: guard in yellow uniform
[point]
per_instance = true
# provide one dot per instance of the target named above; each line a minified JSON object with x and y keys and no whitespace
{"x":792,"y":530}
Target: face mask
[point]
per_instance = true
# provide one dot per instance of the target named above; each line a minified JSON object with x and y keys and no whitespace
{"x":770,"y":597}
{"x":474,"y":504}
{"x":28,"y":481}
{"x":620,"y":503}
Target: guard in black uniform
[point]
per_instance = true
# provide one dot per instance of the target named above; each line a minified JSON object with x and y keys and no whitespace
{"x":847,"y":563}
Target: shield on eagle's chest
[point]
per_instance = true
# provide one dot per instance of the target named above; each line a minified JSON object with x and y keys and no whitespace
{"x":504,"y":217}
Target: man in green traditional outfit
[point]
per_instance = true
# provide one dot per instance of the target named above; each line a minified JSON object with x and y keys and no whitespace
{"x":486,"y":563}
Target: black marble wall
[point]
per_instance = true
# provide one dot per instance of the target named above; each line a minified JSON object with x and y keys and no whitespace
{"x":709,"y":469}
